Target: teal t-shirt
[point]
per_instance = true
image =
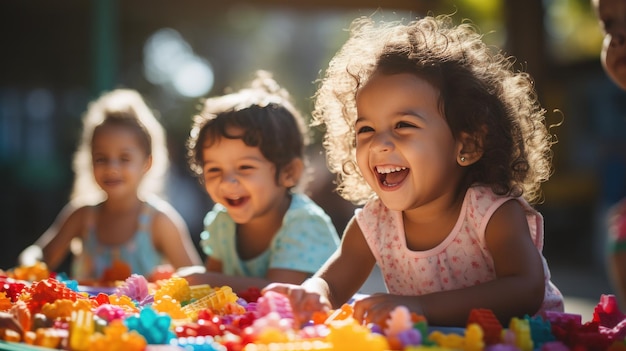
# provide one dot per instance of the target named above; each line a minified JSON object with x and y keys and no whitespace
{"x":303,"y":243}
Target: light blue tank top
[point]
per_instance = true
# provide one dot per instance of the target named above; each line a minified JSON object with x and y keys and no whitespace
{"x":138,"y":252}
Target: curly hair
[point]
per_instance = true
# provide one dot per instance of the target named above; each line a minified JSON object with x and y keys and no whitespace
{"x":126,"y":108}
{"x":480,"y":94}
{"x":266,"y":115}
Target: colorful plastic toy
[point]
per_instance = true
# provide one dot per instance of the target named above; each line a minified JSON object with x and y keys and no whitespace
{"x":199,"y":291}
{"x":540,"y":331}
{"x":81,"y":328}
{"x":492,"y":329}
{"x":176,"y":287}
{"x":199,"y":343}
{"x":116,"y":337}
{"x":153,"y":326}
{"x":46,"y":291}
{"x":340,"y":314}
{"x":217,"y":300}
{"x":57,"y":317}
{"x":119,"y":270}
{"x":274,"y":302}
{"x":166,"y":304}
{"x":135,"y":287}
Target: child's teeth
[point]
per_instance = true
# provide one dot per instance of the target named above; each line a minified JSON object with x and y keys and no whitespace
{"x":384,"y":170}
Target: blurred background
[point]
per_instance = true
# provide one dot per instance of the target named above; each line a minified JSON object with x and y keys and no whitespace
{"x":56,"y":56}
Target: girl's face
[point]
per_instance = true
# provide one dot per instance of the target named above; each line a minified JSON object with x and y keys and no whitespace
{"x":119,"y":162}
{"x":404,"y":147}
{"x":240,"y":178}
{"x":612,"y":15}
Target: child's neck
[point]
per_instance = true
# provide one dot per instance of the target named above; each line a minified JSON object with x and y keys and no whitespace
{"x":121,"y":205}
{"x":424,"y":231}
{"x":254,"y":237}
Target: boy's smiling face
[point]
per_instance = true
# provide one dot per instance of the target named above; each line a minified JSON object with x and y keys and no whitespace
{"x":240,"y":178}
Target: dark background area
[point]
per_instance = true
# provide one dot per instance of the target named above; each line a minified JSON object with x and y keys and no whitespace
{"x":56,"y":56}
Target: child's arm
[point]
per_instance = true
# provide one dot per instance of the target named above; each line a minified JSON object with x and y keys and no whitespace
{"x":337,"y":281}
{"x":172,"y":238}
{"x":211,"y":274}
{"x":517,"y":290}
{"x":52,"y":247}
{"x":214,"y":279}
{"x":347,"y":269}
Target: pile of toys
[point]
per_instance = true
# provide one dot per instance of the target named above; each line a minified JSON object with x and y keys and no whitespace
{"x":170,"y":314}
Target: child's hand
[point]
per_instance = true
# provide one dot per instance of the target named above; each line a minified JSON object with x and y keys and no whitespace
{"x":376,"y":308}
{"x":303,"y":302}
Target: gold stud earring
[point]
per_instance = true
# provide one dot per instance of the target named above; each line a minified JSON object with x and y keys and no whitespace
{"x":462,"y":158}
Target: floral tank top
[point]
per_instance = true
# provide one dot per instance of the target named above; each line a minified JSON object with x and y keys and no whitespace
{"x":461,"y":260}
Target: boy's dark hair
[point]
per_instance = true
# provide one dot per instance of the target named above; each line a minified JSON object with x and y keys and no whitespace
{"x":265,"y":114}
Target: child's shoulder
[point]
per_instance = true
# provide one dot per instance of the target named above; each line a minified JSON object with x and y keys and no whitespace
{"x":304,"y":210}
{"x":76,"y":215}
{"x":301,"y":204}
{"x":299,"y":200}
{"x":80,"y":209}
{"x":482,"y":199}
{"x":484,"y":193}
{"x":161,"y":212}
{"x":158,"y":205}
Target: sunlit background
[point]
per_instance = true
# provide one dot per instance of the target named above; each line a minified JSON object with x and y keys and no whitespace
{"x":56,"y":56}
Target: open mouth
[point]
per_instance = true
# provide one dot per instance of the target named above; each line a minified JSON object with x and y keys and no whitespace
{"x":391,"y":176}
{"x":237,"y":201}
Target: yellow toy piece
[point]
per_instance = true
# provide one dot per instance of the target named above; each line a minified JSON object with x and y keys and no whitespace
{"x":216,"y":301}
{"x":348,"y":335}
{"x":452,"y":341}
{"x":176,"y":287}
{"x":199,"y":291}
{"x":166,"y":304}
{"x":37,"y":271}
{"x":49,"y":337}
{"x":117,"y":338}
{"x":123,"y":301}
{"x":474,"y":338}
{"x":59,"y":309}
{"x":471,"y":341}
{"x":82,"y":326}
{"x":521,"y":330}
{"x":63,"y":308}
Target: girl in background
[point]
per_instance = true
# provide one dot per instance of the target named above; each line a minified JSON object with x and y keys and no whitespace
{"x":115,"y":211}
